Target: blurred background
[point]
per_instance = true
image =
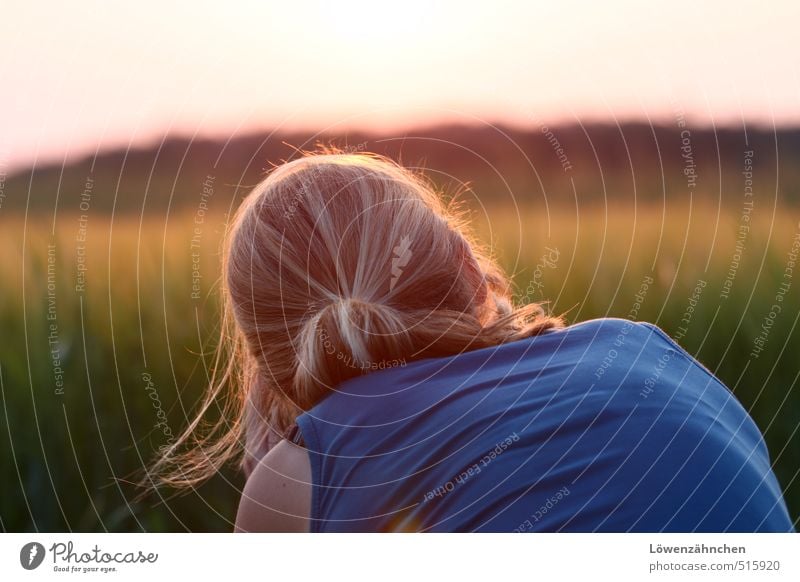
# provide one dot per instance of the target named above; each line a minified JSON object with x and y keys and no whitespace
{"x":621,"y":159}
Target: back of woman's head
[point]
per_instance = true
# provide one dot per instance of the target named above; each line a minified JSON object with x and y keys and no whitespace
{"x":335,"y":266}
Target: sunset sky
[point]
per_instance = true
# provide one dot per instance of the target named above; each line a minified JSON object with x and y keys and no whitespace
{"x":77,"y":76}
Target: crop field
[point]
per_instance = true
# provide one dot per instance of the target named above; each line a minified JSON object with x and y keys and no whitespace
{"x":110,"y":325}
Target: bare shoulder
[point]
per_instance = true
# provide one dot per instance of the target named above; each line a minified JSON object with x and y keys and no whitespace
{"x":277,"y":495}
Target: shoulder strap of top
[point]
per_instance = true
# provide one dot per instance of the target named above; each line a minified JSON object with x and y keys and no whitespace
{"x":294,"y":435}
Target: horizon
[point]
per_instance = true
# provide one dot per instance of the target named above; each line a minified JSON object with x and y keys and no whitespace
{"x":146,"y":144}
{"x":91,"y":77}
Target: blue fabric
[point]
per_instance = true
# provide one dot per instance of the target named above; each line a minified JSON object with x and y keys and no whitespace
{"x":606,"y":425}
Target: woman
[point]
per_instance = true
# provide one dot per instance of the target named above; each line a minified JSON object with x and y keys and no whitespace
{"x":384,"y":381}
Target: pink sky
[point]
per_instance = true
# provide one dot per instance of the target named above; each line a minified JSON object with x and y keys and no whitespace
{"x":81,"y":75}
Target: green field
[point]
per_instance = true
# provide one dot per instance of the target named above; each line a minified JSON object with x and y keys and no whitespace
{"x":107,"y":344}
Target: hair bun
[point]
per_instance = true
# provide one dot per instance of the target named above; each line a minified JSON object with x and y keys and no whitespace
{"x":347,"y":338}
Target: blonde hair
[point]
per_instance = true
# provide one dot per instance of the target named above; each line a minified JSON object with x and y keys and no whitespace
{"x":336,"y":265}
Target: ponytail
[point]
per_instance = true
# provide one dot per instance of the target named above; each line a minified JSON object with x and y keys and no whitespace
{"x":342,"y":340}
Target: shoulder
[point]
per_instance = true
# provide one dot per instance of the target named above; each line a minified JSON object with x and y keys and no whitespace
{"x":277,"y":495}
{"x":647,"y":376}
{"x":611,"y":325}
{"x":595,"y":338}
{"x":636,"y":365}
{"x":618,"y":333}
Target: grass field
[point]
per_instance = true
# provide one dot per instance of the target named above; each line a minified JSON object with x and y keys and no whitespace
{"x":108,"y":327}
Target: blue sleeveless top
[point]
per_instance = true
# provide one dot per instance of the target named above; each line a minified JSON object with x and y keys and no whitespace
{"x":606,"y":425}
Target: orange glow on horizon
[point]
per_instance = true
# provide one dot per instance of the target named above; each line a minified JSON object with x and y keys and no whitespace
{"x":97,"y":74}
